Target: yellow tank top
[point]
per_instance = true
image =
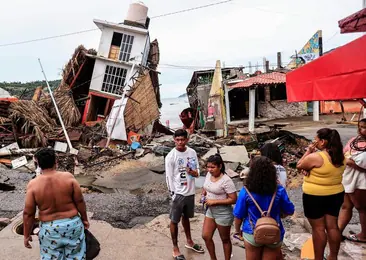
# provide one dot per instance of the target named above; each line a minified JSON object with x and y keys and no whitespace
{"x":325,"y":180}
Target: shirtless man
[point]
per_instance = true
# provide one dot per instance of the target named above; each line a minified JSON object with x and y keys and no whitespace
{"x":61,"y":211}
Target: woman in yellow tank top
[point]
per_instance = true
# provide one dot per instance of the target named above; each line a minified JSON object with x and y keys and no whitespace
{"x":323,"y":192}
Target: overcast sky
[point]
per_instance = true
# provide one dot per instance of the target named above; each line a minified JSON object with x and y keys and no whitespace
{"x":236,"y":33}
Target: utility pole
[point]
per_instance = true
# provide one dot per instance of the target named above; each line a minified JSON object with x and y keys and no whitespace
{"x":264,"y":64}
{"x":316,"y":107}
{"x":250,"y":68}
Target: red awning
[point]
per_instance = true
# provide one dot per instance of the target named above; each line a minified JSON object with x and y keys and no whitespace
{"x":338,"y":75}
{"x":262,"y":79}
{"x":354,"y":23}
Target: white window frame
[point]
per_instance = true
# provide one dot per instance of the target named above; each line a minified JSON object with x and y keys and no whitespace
{"x":126,"y":47}
{"x":114,"y":79}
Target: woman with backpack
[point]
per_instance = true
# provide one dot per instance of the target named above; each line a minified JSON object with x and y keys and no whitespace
{"x":259,"y":208}
{"x":323,"y":193}
{"x":219,"y":194}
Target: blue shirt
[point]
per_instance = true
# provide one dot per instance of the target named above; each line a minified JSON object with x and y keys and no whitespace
{"x":245,"y":208}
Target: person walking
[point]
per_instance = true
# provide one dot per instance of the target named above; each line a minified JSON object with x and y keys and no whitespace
{"x":61,"y":211}
{"x":272,"y":151}
{"x":323,"y":192}
{"x":354,"y":182}
{"x":181,"y":167}
{"x":261,"y":194}
{"x":220,"y":193}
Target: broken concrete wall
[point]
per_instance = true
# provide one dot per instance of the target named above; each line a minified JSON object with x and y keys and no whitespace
{"x":281,"y":109}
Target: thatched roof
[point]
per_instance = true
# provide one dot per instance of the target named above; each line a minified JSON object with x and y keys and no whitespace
{"x":33,"y":120}
{"x":72,"y":67}
{"x":65,"y":102}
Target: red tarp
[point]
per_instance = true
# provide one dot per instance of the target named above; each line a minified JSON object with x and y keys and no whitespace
{"x":354,"y":23}
{"x":338,"y":75}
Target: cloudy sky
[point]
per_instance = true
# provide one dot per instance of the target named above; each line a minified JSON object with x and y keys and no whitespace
{"x":236,"y":33}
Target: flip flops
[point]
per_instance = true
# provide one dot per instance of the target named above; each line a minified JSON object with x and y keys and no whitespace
{"x":354,"y":238}
{"x":196,"y":248}
{"x":179,"y":257}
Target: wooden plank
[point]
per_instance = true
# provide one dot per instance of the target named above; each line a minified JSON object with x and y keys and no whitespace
{"x":5,"y":161}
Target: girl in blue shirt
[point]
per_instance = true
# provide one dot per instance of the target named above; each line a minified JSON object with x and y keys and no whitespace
{"x":261,"y":183}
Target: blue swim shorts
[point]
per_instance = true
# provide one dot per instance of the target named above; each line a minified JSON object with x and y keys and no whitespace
{"x":62,"y":239}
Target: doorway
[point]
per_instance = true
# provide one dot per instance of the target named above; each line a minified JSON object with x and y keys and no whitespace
{"x":239,"y":104}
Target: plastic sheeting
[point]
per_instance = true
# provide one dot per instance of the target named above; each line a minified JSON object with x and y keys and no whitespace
{"x":338,"y":75}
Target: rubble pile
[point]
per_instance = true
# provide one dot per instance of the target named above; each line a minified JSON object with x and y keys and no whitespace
{"x":293,"y":148}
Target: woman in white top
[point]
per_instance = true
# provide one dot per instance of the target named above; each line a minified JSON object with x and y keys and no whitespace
{"x":220,"y":193}
{"x":271,"y":151}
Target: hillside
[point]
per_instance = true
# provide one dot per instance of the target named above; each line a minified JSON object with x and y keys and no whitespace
{"x":183,"y":95}
{"x":26,"y":90}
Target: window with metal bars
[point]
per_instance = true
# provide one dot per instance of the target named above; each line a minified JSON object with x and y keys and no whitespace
{"x":126,"y":47}
{"x":114,"y":80}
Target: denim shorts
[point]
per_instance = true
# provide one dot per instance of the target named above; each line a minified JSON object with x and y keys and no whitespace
{"x":222,"y":214}
{"x":250,"y":239}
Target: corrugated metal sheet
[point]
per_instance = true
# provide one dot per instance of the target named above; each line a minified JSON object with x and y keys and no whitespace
{"x":262,"y":79}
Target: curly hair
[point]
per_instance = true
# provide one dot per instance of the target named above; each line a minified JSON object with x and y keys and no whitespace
{"x":262,"y":177}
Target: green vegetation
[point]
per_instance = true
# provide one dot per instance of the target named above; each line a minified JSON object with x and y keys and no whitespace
{"x":26,"y":90}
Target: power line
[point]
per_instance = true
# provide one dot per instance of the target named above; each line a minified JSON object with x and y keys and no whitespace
{"x":331,"y":38}
{"x":192,"y":9}
{"x":46,"y":38}
{"x":198,"y":67}
{"x":95,"y":29}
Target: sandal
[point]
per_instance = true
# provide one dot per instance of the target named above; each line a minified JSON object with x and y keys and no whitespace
{"x":196,"y":248}
{"x":179,"y":257}
{"x":354,"y":238}
{"x":238,"y":237}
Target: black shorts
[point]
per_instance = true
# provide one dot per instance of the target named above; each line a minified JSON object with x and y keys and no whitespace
{"x":182,"y":206}
{"x":316,"y":207}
